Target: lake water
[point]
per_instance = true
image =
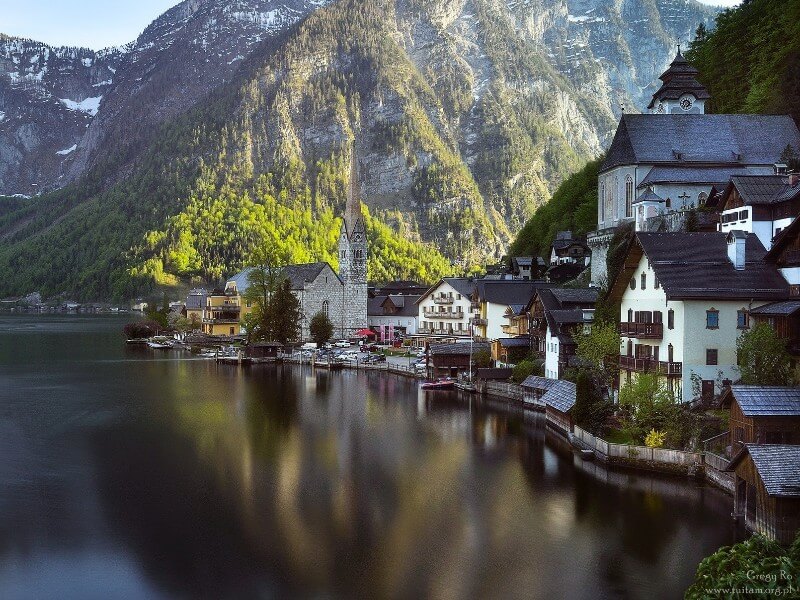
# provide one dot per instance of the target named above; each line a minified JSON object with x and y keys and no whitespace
{"x":127,"y":473}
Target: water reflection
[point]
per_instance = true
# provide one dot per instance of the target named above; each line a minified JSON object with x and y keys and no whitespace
{"x":193,"y":479}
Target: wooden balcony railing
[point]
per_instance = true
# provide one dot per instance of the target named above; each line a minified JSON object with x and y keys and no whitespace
{"x":653,"y":331}
{"x":442,"y":299}
{"x":433,"y":314}
{"x":648,"y":365}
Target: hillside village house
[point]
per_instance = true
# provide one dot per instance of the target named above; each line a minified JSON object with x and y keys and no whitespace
{"x":763,"y":415}
{"x":222,"y":313}
{"x":494,"y":298}
{"x":672,"y":159}
{"x":684,"y":300}
{"x":767,"y":490}
{"x":446,"y":308}
{"x":393,"y":316}
{"x":555,"y":315}
{"x":761,"y":204}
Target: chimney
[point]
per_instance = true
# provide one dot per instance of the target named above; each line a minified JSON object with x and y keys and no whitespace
{"x":736,"y":242}
{"x":794,"y":179}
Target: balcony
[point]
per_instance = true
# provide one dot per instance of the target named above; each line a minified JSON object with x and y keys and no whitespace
{"x":650,"y":331}
{"x":440,"y":331}
{"x":442,"y":299}
{"x":648,"y":365}
{"x":432,"y":314}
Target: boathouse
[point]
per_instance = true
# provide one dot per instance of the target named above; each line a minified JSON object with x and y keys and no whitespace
{"x":263,"y":350}
{"x":763,"y":415}
{"x":451,"y":359}
{"x":767,"y":484}
{"x":556,"y":396}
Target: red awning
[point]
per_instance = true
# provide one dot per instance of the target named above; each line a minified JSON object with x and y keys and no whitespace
{"x":365,"y":333}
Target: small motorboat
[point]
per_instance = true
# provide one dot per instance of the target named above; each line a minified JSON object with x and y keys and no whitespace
{"x":159,"y":345}
{"x":207,"y":353}
{"x":440,"y":384}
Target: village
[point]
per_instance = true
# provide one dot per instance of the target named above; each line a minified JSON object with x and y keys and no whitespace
{"x":666,"y":340}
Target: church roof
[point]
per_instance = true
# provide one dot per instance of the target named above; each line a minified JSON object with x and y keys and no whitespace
{"x":297,"y":275}
{"x":697,"y":175}
{"x":679,"y":79}
{"x":353,"y":217}
{"x":701,"y":140}
{"x":648,"y":196}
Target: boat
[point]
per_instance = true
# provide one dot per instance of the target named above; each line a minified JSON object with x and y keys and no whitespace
{"x":466,"y":386}
{"x":159,"y":345}
{"x":440,"y":384}
{"x":207,"y":353}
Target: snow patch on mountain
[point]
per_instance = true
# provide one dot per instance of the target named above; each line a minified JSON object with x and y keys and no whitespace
{"x":69,"y":150}
{"x":89,"y":106}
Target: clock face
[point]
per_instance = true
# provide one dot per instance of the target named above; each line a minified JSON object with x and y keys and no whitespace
{"x":357,"y":237}
{"x":685,"y":102}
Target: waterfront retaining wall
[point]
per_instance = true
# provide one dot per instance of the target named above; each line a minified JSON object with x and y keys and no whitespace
{"x":503,"y":389}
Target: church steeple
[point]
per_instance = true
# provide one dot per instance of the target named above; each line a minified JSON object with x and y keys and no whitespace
{"x":353,"y":219}
{"x":680,"y":91}
{"x":353,"y":255}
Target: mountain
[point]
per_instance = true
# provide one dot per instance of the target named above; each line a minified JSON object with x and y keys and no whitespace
{"x":465,"y":113}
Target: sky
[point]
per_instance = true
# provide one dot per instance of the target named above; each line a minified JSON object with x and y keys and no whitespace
{"x":99,"y":23}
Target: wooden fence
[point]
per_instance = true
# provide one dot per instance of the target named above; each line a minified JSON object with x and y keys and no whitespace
{"x":503,"y":389}
{"x":624,"y":453}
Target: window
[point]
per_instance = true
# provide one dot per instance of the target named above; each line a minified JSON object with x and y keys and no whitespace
{"x":742,"y":319}
{"x":630,"y":315}
{"x":656,"y":282}
{"x":701,"y":199}
{"x":325,"y":308}
{"x":711,"y":356}
{"x":458,"y":296}
{"x":644,"y":281}
{"x":670,"y":319}
{"x":712,"y":319}
{"x":602,"y":201}
{"x":628,"y":197}
{"x":633,"y":283}
{"x":668,"y":203}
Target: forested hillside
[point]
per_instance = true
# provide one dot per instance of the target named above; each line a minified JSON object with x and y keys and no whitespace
{"x":750,"y":62}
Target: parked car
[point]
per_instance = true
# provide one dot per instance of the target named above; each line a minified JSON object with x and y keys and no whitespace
{"x":342,"y":344}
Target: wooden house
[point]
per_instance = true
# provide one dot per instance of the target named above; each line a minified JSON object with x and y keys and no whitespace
{"x":767,"y":489}
{"x":451,"y":359}
{"x":263,"y":350}
{"x":763,"y":415}
{"x":556,"y":396}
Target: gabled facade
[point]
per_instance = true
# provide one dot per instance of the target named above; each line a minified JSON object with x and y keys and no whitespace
{"x":761,"y":204}
{"x":446,"y":309}
{"x":393,"y":316}
{"x":494,"y":298}
{"x":684,"y":300}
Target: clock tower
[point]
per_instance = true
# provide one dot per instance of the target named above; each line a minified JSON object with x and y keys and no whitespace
{"x":353,"y":257}
{"x":680,"y":92}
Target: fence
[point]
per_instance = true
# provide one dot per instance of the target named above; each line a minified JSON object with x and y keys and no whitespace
{"x":643,"y":454}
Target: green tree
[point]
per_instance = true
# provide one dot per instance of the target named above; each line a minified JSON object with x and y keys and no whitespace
{"x":482,"y":359}
{"x":285,"y":314}
{"x":321,"y":328}
{"x":763,"y":358}
{"x":591,"y":409}
{"x":527,"y":367}
{"x":646,"y":403}
{"x":754,"y":563}
{"x":599,"y":350}
{"x":263,"y":280}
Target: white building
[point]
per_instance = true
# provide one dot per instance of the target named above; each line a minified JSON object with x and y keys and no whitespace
{"x":662,"y":163}
{"x":685,"y":298}
{"x":761,"y":204}
{"x":493,"y":299}
{"x":446,"y":308}
{"x":393,"y":316}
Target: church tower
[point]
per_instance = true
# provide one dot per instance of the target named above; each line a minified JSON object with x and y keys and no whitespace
{"x":353,"y":257}
{"x":680,"y":92}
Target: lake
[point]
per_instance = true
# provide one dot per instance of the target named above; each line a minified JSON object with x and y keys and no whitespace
{"x":132,"y":473}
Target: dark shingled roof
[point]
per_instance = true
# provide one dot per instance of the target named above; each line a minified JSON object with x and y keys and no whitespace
{"x":698,"y":175}
{"x":764,"y":189}
{"x":566,"y":317}
{"x":648,"y":196}
{"x":696,"y":265}
{"x":196,"y":299}
{"x":458,"y":348}
{"x":558,"y":393}
{"x":784,"y":308}
{"x":297,"y":275}
{"x":507,"y":292}
{"x":538,"y":383}
{"x":778,"y":465}
{"x":375,"y":306}
{"x":767,"y":401}
{"x":721,"y":140}
{"x":515,"y":342}
{"x":576,"y":296}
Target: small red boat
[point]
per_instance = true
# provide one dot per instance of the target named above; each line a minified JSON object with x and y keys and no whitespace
{"x":440,"y":384}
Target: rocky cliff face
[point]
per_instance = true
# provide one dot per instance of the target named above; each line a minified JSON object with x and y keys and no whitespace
{"x":466,"y":114}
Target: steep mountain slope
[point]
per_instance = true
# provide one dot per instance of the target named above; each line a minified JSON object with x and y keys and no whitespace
{"x":464,"y":116}
{"x":48,"y":97}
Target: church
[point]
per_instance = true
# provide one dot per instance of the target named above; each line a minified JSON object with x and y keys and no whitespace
{"x":674,"y":157}
{"x":341,"y":296}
